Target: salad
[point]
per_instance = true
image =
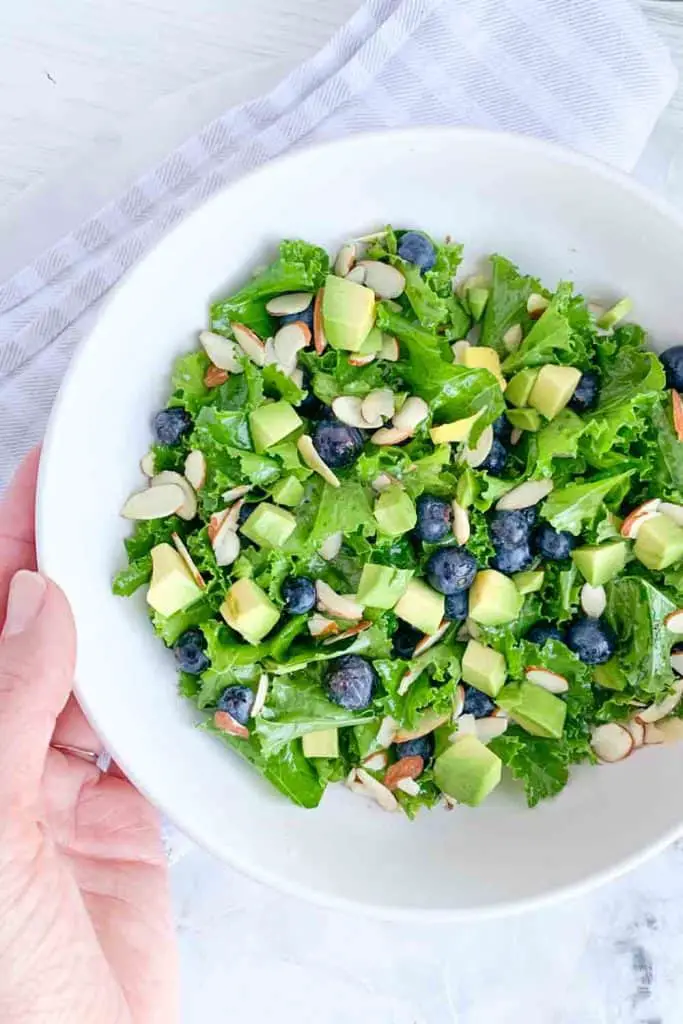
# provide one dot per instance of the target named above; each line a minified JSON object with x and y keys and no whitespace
{"x":404,"y":528}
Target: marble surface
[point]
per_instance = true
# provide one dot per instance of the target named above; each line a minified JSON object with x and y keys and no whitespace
{"x":98,"y":91}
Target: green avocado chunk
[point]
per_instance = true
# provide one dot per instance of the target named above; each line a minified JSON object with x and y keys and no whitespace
{"x":519,"y":388}
{"x":421,"y":607}
{"x":288,"y":491}
{"x":494,"y":599}
{"x":249,"y":611}
{"x":271,"y":423}
{"x":539,"y":712}
{"x":484,"y":668}
{"x":381,"y":586}
{"x":348,"y":313}
{"x":659,"y":543}
{"x":269,"y":526}
{"x":529,"y":582}
{"x":395,"y":512}
{"x":468,"y":771}
{"x":598,"y":563}
{"x":477,"y":299}
{"x":525,"y":419}
{"x":324,"y":743}
{"x":553,"y":388}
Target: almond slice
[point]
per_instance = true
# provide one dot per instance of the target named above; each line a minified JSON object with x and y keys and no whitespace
{"x":236,"y":492}
{"x":223,"y":352}
{"x":677,"y":409}
{"x":147,"y":464}
{"x":355,"y":359}
{"x":490,"y":728}
{"x":671,"y":729}
{"x":387,"y":731}
{"x":377,"y":407}
{"x":671,"y":511}
{"x":154,"y":503}
{"x":553,"y":682}
{"x":213,"y":378}
{"x":250,"y":343}
{"x":635,"y":519}
{"x":472,"y":628}
{"x":261,"y":695}
{"x":336,"y":605}
{"x":461,"y":523}
{"x":674,"y":621}
{"x":373,"y":789}
{"x":637,"y":731}
{"x":289,"y":304}
{"x":459,"y":702}
{"x":429,"y":723}
{"x":289,"y":341}
{"x":480,"y":453}
{"x":653,"y":734}
{"x":412,"y":413}
{"x":187,"y":559}
{"x":449,"y":802}
{"x":376,"y":762}
{"x":331,"y":547}
{"x":406,"y":768}
{"x":226,"y":723}
{"x":536,"y":305}
{"x":318,"y":626}
{"x":346,"y":257}
{"x":270,"y":355}
{"x":525,"y":495}
{"x":429,"y":639}
{"x":357,"y":275}
{"x":466,"y":726}
{"x":593,"y":600}
{"x":512,"y":338}
{"x":516,"y":435}
{"x":215,"y":523}
{"x":188,"y":509}
{"x":297,"y":375}
{"x":389,"y":435}
{"x":389,"y":350}
{"x":385,"y":281}
{"x":383,"y":481}
{"x":677,"y":661}
{"x":226,"y":544}
{"x":458,"y":348}
{"x":195,"y":469}
{"x":611,"y":742}
{"x":347,"y":408}
{"x":319,"y":339}
{"x":359,"y":627}
{"x":656,"y":711}
{"x":309,"y":454}
{"x":409,"y":786}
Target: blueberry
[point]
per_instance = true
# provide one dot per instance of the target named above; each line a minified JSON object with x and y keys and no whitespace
{"x":336,"y":443}
{"x":237,"y":701}
{"x":422,"y":747}
{"x":586,"y":392}
{"x":351,"y":682}
{"x":405,"y":640}
{"x":305,"y":317}
{"x":456,"y":606}
{"x":415,"y":247}
{"x":171,"y":425}
{"x":298,"y":593}
{"x":434,"y":517}
{"x":672,"y":361}
{"x":543,"y":631}
{"x":189,"y":652}
{"x":245,"y":511}
{"x":514,"y":527}
{"x":592,"y":640}
{"x":555,"y":545}
{"x":477,"y":703}
{"x":502,"y":428}
{"x":451,"y":569}
{"x":494,"y":463}
{"x":512,"y":559}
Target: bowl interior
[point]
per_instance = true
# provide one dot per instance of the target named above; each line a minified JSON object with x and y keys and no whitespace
{"x":558,"y":216}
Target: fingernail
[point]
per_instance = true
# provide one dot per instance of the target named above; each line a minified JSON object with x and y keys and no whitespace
{"x":26,"y":595}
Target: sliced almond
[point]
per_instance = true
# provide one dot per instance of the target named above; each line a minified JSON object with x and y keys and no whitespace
{"x":461,"y":523}
{"x":319,"y":625}
{"x":671,"y":511}
{"x":593,"y":600}
{"x":377,"y":407}
{"x":406,"y":768}
{"x":536,"y":305}
{"x":226,"y":723}
{"x":656,"y":711}
{"x":408,"y":678}
{"x":213,"y":378}
{"x":516,"y":435}
{"x":309,"y":454}
{"x":261,"y":695}
{"x":429,"y":639}
{"x":270,"y":355}
{"x":671,"y":729}
{"x":512,"y":338}
{"x":289,"y":304}
{"x":637,"y":730}
{"x":459,"y":702}
{"x":611,"y":742}
{"x":409,"y":786}
{"x":147,"y":464}
{"x":387,"y":731}
{"x":376,"y":762}
{"x":385,"y":281}
{"x":195,"y":469}
{"x":553,"y":682}
{"x":223,"y":352}
{"x":347,"y":408}
{"x":289,"y":341}
{"x":359,"y":627}
{"x":677,"y":410}
{"x":331,"y":546}
{"x":187,"y":559}
{"x":653,"y":734}
{"x":677,"y":662}
{"x":357,"y":275}
{"x":215,"y":523}
{"x":319,"y":339}
{"x":337,"y":605}
{"x":475,"y":456}
{"x":635,"y":519}
{"x":389,"y":350}
{"x":355,"y":359}
{"x":154,"y":503}
{"x":428,"y":724}
{"x":674,"y":621}
{"x":250,"y":343}
{"x":370,"y":787}
{"x":473,"y":628}
{"x":412,"y":413}
{"x":466,"y":726}
{"x":383,"y":481}
{"x":449,"y":802}
{"x":525,"y":495}
{"x":346,"y":257}
{"x":389,"y":436}
{"x":458,"y":348}
{"x":490,"y":728}
{"x":226,"y":544}
{"x":297,"y":375}
{"x":188,"y":509}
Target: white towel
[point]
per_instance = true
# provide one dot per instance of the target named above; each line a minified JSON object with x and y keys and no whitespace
{"x":587,"y":73}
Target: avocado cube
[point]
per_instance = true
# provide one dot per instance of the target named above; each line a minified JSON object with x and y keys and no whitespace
{"x":477,"y":299}
{"x":348,"y":313}
{"x":610,"y":675}
{"x":288,"y":491}
{"x":381,"y":586}
{"x":525,"y":419}
{"x":521,"y":385}
{"x":484,"y":668}
{"x":271,"y":423}
{"x":553,"y":388}
{"x":534,"y":709}
{"x":172,"y":586}
{"x":324,"y":743}
{"x":395,"y":512}
{"x":458,"y":430}
{"x":483,"y":358}
{"x":421,"y":607}
{"x":249,"y":611}
{"x":269,"y":526}
{"x":372,"y":344}
{"x":529,"y":582}
{"x":468,"y":771}
{"x":598,"y":563}
{"x":618,"y":311}
{"x":494,"y":599}
{"x":659,"y":543}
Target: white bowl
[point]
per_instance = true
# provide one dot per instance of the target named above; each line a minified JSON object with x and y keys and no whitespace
{"x":556,"y":214}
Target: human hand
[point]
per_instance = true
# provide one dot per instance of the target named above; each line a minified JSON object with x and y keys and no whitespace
{"x":86,"y":935}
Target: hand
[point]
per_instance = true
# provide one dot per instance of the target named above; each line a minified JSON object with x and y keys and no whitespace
{"x":86,"y":935}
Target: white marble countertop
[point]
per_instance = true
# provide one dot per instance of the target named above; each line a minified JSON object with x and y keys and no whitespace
{"x":99,"y":90}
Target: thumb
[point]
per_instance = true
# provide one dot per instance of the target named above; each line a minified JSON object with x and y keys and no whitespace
{"x":37,"y":654}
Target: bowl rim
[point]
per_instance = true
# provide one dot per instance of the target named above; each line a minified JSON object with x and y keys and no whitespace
{"x":460,"y":134}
